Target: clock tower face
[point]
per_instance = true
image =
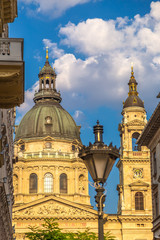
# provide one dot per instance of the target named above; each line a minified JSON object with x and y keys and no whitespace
{"x":138,"y":172}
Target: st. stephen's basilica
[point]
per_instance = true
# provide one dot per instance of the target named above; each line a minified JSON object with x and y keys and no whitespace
{"x":50,"y":180}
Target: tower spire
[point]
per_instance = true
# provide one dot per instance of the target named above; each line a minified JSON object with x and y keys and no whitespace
{"x":132,"y":68}
{"x":132,"y":84}
{"x":47,"y":53}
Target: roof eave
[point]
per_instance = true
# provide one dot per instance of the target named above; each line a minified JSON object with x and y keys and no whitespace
{"x":150,"y":129}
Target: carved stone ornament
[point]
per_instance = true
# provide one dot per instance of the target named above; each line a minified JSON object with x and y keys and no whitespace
{"x":137,"y":172}
{"x":53,"y":209}
{"x":136,"y":122}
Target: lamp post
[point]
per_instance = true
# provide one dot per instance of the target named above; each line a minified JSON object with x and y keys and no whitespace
{"x":99,"y":160}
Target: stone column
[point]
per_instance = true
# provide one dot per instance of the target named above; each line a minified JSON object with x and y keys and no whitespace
{"x":86,"y":183}
{"x":49,"y":83}
{"x":44,"y":84}
{"x":40,"y":84}
{"x":56,"y":181}
{"x":54,"y":83}
{"x":76,"y":179}
{"x":20,"y":180}
{"x":40,"y":180}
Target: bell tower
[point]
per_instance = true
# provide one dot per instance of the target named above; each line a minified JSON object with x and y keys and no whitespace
{"x":134,"y":164}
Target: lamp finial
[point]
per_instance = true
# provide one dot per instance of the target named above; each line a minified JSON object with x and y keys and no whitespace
{"x":98,"y":132}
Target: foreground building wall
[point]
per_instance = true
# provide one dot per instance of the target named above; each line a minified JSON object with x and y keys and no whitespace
{"x":11,"y":59}
{"x":8,"y":12}
{"x":7,"y":119}
{"x":11,"y":95}
{"x":151,"y":138}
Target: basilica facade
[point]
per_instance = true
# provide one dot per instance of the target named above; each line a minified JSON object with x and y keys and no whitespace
{"x":50,"y":180}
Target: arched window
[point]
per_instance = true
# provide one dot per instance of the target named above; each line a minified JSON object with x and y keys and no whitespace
{"x":63,"y":183}
{"x":33,"y":183}
{"x":48,"y":183}
{"x":81,"y":183}
{"x":135,"y":136}
{"x":47,"y":83}
{"x":139,"y":201}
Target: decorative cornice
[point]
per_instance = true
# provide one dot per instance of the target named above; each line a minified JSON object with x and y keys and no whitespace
{"x":58,"y":218}
{"x":138,"y":183}
{"x":134,"y":160}
{"x":132,"y":218}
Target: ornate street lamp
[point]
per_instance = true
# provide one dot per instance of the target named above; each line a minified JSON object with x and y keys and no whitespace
{"x":99,"y":160}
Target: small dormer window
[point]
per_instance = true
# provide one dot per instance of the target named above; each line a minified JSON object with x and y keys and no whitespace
{"x":22,"y":147}
{"x":48,"y":120}
{"x":48,"y":145}
{"x":73,"y":148}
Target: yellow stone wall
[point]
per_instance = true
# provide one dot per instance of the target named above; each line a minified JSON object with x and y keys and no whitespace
{"x":36,"y":158}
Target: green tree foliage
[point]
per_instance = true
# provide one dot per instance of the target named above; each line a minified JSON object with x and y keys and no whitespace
{"x":87,"y":235}
{"x":51,"y":231}
{"x":109,"y":236}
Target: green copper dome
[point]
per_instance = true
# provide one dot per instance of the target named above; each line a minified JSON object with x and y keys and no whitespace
{"x":47,"y":119}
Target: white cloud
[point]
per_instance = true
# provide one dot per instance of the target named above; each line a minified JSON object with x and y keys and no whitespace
{"x":28,"y":103}
{"x":87,"y":82}
{"x":37,"y":55}
{"x":109,"y":47}
{"x":95,"y":36}
{"x":52,"y":8}
{"x":155,"y":6}
{"x":78,"y":115}
{"x":55,"y":52}
{"x":81,"y":120}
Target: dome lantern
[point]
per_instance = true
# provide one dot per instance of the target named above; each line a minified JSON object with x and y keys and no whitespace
{"x":47,"y":83}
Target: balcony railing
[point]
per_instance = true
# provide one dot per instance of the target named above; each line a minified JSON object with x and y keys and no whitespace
{"x":62,"y":155}
{"x":11,"y":49}
{"x":137,"y":155}
{"x":11,"y":72}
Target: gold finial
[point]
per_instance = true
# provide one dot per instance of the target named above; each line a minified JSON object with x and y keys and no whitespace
{"x":46,"y":53}
{"x":132,"y":73}
{"x":131,"y":66}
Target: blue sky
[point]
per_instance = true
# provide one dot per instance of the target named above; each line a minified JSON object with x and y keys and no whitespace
{"x":91,"y":45}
